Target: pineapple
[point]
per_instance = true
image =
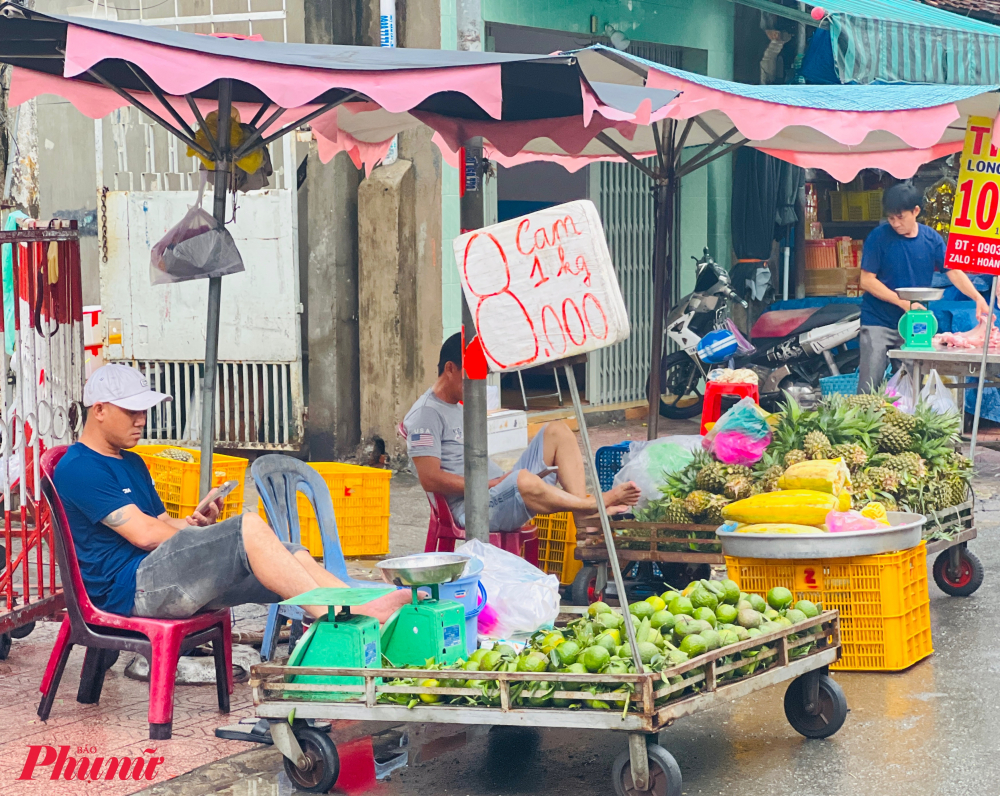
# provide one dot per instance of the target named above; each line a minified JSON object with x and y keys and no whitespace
{"x":908,"y":463}
{"x":896,"y":418}
{"x":794,"y":457}
{"x":816,"y":445}
{"x":958,"y":490}
{"x":177,"y":454}
{"x":864,"y":401}
{"x":854,"y":455}
{"x":739,"y":487}
{"x":712,"y":477}
{"x":696,"y":504}
{"x":715,"y":506}
{"x":883,"y":479}
{"x":677,"y":514}
{"x":769,"y":479}
{"x":894,"y":439}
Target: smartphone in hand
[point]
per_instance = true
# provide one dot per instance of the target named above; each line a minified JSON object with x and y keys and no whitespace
{"x":219,"y":492}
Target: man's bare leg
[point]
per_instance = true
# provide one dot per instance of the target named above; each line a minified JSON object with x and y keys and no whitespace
{"x":276,"y":568}
{"x":561,"y":449}
{"x":381,"y":609}
{"x":542,"y":498}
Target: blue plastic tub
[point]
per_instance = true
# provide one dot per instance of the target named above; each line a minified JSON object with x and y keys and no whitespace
{"x":472,"y":594}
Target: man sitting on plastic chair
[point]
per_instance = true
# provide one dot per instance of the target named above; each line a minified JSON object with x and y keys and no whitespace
{"x":435,"y":444}
{"x":137,"y":560}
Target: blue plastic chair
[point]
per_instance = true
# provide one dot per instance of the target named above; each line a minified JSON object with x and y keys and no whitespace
{"x":278,"y":479}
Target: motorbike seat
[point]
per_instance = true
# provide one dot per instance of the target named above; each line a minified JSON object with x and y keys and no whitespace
{"x":784,"y":323}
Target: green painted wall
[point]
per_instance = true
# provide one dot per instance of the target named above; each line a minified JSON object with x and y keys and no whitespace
{"x":703,"y":27}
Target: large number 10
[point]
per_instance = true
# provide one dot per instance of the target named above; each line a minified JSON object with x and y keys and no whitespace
{"x":986,"y":207}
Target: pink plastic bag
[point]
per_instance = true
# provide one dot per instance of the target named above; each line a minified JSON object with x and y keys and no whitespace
{"x":840,"y":521}
{"x":736,"y":447}
{"x":740,"y":435}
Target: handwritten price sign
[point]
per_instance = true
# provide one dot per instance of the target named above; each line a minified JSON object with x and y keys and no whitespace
{"x":973,"y":243}
{"x":541,"y":287}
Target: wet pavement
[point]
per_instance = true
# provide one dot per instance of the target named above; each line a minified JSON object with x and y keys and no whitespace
{"x":929,"y":730}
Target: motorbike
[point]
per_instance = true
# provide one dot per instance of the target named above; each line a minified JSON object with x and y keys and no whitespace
{"x":789,"y":350}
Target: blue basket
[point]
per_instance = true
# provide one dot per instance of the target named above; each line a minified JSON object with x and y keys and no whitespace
{"x":609,"y":462}
{"x":844,"y":384}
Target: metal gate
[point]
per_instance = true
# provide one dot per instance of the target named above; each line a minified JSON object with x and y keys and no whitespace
{"x":624,"y":198}
{"x":145,"y":189}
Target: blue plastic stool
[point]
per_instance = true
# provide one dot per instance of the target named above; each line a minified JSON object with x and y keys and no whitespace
{"x":278,"y":479}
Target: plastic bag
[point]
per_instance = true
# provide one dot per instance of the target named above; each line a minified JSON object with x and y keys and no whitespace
{"x":937,"y":395}
{"x":521,"y":598}
{"x":740,"y":436}
{"x":198,"y":247}
{"x":901,"y":391}
{"x":840,"y":521}
{"x":648,"y":463}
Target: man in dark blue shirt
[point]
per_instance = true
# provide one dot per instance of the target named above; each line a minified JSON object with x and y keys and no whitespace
{"x":137,"y":560}
{"x":900,"y":253}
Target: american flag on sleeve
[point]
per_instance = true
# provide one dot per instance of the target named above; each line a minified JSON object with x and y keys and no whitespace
{"x":421,"y":440}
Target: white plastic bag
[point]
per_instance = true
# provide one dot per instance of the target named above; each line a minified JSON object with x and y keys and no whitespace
{"x":198,"y":247}
{"x":901,"y":391}
{"x":649,"y":462}
{"x":937,"y":395}
{"x":520,"y":598}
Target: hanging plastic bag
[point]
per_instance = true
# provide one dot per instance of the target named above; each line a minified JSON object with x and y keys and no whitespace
{"x":198,"y":247}
{"x":740,"y":435}
{"x":521,"y":598}
{"x":937,"y":395}
{"x":650,"y":462}
{"x":901,"y":391}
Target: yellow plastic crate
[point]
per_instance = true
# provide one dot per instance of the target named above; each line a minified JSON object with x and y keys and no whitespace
{"x":556,"y":543}
{"x":360,"y":503}
{"x":885,"y":620}
{"x":177,"y":482}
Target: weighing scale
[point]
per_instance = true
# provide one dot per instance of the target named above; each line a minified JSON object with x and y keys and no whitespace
{"x":918,"y":327}
{"x":342,"y":639}
{"x":429,"y":629}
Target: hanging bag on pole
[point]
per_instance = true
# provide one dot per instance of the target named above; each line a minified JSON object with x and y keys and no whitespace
{"x":198,"y":247}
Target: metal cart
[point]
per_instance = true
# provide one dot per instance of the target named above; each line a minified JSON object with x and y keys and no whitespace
{"x":814,"y":703}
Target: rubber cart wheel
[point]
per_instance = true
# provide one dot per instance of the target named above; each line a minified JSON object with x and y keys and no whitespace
{"x":584,"y":588}
{"x":679,"y":370}
{"x":4,"y":646}
{"x":664,"y":774}
{"x":970,"y":574}
{"x":23,"y":631}
{"x":324,"y":762}
{"x":832,"y":707}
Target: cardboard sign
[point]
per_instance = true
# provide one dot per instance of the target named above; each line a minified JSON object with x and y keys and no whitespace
{"x":974,"y":239}
{"x":542,"y":287}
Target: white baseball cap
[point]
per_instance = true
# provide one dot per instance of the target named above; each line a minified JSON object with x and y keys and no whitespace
{"x":122,"y":386}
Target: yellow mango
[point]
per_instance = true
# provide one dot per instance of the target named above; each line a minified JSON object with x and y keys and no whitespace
{"x":822,"y":475}
{"x":779,"y":527}
{"x":796,"y":506}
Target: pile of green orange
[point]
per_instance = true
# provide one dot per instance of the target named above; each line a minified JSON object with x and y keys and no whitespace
{"x":670,"y":629}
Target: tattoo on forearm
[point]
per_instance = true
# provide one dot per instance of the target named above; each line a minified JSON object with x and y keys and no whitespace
{"x":115,"y":518}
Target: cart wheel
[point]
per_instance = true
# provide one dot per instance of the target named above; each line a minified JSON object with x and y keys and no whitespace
{"x":664,"y":774}
{"x":832,"y":707}
{"x":4,"y":646}
{"x":584,"y":588}
{"x":23,"y":631}
{"x":970,"y":574}
{"x":324,"y":762}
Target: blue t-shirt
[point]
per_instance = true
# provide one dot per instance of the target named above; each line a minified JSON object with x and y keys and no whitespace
{"x":92,"y":486}
{"x":898,"y":261}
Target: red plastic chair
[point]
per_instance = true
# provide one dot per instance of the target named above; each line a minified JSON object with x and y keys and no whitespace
{"x":443,"y":531}
{"x":714,"y":390}
{"x":160,"y":641}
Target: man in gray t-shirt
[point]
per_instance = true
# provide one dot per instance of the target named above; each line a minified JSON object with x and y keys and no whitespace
{"x":435,"y":444}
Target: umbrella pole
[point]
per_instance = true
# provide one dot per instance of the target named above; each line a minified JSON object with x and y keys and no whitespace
{"x":208,"y":387}
{"x":475,"y":432}
{"x":662,"y":235}
{"x":982,"y":372}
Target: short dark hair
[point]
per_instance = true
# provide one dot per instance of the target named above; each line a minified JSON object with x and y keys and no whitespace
{"x":451,"y":351}
{"x":900,"y":198}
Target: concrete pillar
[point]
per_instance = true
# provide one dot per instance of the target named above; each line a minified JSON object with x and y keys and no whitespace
{"x":330,"y":259}
{"x":388,"y":309}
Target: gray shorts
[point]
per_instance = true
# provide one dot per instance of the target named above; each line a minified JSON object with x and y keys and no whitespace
{"x":507,"y":509}
{"x":199,"y":569}
{"x":875,"y":342}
